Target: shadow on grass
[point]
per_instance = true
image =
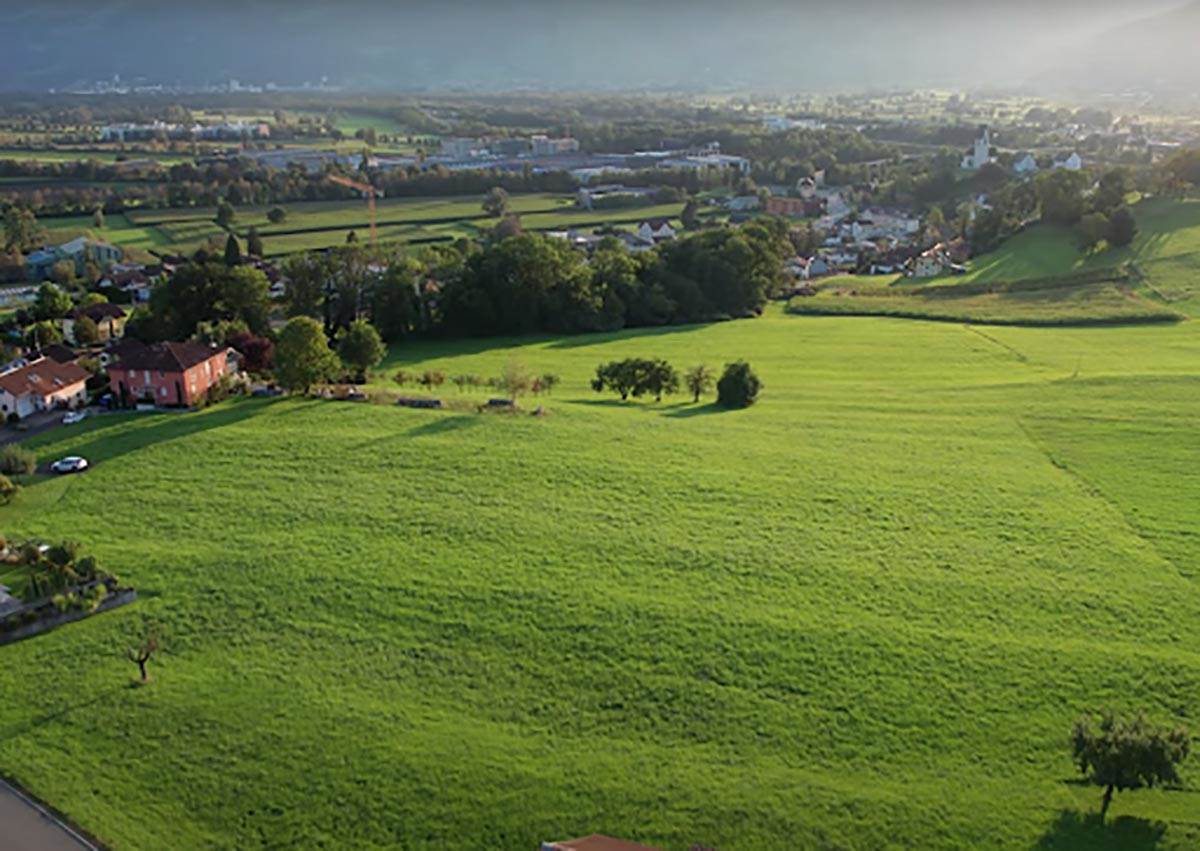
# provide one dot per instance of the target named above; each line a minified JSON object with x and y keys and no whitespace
{"x":584,"y":340}
{"x":443,"y":425}
{"x":107,"y":441}
{"x":1075,"y":831}
{"x":684,"y":412}
{"x":39,"y":721}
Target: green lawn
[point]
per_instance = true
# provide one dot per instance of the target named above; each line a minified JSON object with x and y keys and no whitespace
{"x":862,"y":614}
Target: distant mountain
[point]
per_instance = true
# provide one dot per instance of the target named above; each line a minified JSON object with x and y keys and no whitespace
{"x":1158,"y":52}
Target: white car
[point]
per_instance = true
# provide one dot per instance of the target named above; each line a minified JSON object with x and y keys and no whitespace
{"x":70,"y":464}
{"x":74,"y":417}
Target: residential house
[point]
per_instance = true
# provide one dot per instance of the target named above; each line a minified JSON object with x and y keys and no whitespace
{"x":981,"y":154}
{"x":656,"y":230}
{"x":134,"y":280}
{"x":43,"y":385}
{"x":635,"y":242}
{"x":109,"y":319}
{"x":119,"y":350}
{"x":1071,"y":162}
{"x":80,"y":252}
{"x":1025,"y":165}
{"x":931,"y":263}
{"x":167,"y":374}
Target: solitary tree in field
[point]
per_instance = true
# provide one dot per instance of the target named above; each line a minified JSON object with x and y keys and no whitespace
{"x":303,"y":357}
{"x":1122,"y":227}
{"x":699,"y":380}
{"x":254,"y":243}
{"x":142,"y":654}
{"x":495,"y":203}
{"x":225,"y":214}
{"x":352,"y":238}
{"x":360,"y":347}
{"x":739,"y":386}
{"x":233,"y":251}
{"x":1127,"y":753}
{"x":515,"y":379}
{"x":276,"y":215}
{"x":98,"y":219}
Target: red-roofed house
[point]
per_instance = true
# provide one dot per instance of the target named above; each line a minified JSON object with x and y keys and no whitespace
{"x":167,"y":374}
{"x":43,"y":385}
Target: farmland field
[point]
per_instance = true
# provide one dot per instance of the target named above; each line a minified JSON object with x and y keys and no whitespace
{"x":322,"y":224}
{"x":862,"y":614}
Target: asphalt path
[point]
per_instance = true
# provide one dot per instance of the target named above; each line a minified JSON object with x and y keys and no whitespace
{"x":26,"y":826}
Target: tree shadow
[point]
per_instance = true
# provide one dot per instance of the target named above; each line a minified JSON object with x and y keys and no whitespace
{"x":583,"y":340}
{"x":696,"y":411}
{"x":441,"y":425}
{"x":110,"y":440}
{"x":1075,"y":831}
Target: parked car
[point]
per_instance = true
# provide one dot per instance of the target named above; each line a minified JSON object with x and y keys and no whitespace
{"x":70,"y":464}
{"x":74,"y":417}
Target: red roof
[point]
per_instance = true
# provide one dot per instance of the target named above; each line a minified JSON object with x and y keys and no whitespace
{"x":42,"y":377}
{"x":167,"y":357}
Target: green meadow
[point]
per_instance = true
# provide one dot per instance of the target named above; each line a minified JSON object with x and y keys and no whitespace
{"x":323,"y":224}
{"x":862,"y":614}
{"x":1040,"y":277}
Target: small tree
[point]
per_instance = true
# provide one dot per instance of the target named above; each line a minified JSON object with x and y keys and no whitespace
{"x":1127,"y":753}
{"x":86,"y":331}
{"x":739,"y":386}
{"x":691,"y":214}
{"x":303,"y":357}
{"x":508,"y":226}
{"x":225,"y":214}
{"x":361,"y":347}
{"x":1093,"y":229}
{"x":16,"y":460}
{"x":515,"y":379}
{"x":1122,"y":227}
{"x":233,"y":251}
{"x":8,"y":490}
{"x":432,"y":378}
{"x":660,"y":378}
{"x":618,"y":376}
{"x":403,"y":378}
{"x":142,"y":654}
{"x":352,"y":238}
{"x":276,"y":215}
{"x":51,"y":303}
{"x":699,"y":380}
{"x":254,"y":243}
{"x":98,"y":219}
{"x":548,"y":382}
{"x":495,"y":203}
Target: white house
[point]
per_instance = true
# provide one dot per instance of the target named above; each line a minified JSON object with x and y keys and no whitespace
{"x":981,"y":154}
{"x":1025,"y":165}
{"x":931,"y":263}
{"x":656,"y":230}
{"x":1070,"y":163}
{"x":41,"y":386}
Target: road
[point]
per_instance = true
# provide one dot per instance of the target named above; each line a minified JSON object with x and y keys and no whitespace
{"x":24,"y":826}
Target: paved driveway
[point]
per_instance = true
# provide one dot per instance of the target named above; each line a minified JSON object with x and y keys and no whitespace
{"x":26,"y":827}
{"x":30,"y":426}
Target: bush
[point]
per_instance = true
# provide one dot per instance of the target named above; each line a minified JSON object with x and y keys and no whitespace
{"x":8,"y":490}
{"x":17,"y":461}
{"x":739,"y":386}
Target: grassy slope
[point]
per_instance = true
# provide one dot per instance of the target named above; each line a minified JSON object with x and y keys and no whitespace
{"x":1165,"y":255}
{"x":861,"y":614}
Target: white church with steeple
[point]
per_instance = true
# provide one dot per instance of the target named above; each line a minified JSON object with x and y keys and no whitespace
{"x":981,"y":154}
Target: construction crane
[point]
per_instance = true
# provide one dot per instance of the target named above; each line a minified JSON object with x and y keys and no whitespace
{"x":366,"y":189}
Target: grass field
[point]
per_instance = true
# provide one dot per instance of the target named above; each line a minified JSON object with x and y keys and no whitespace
{"x":321,"y":224}
{"x":862,"y":614}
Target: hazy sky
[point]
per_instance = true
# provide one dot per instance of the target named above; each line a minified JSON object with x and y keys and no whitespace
{"x":562,"y":44}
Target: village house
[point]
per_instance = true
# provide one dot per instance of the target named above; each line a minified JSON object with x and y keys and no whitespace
{"x":109,"y":319}
{"x":1071,"y":162}
{"x":42,"y":385}
{"x":1025,"y":165}
{"x":80,"y":252}
{"x":135,"y":280}
{"x":656,"y":230}
{"x":931,"y":263}
{"x":167,"y":374}
{"x":810,"y":207}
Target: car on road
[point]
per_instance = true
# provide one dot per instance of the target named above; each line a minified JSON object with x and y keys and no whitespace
{"x":70,"y":464}
{"x":74,"y":417}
